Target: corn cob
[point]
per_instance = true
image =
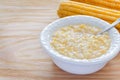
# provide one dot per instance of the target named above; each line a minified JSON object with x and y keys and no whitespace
{"x":76,"y":8}
{"x":113,"y":4}
{"x":114,"y":1}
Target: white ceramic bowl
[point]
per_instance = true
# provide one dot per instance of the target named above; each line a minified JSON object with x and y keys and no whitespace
{"x":77,"y":66}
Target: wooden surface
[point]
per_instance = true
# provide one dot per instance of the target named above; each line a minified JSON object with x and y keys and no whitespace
{"x":21,"y":55}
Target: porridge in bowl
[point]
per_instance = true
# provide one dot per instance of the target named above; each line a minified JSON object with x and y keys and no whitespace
{"x":80,"y":41}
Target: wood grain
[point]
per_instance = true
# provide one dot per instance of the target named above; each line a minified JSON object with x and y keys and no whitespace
{"x":21,"y":55}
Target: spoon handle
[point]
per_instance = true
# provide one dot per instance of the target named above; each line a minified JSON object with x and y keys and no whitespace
{"x":111,"y":26}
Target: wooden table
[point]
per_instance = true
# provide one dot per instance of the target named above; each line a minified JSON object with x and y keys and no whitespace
{"x":21,"y":55}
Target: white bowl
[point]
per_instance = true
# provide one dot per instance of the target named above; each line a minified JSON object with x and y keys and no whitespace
{"x":77,"y":66}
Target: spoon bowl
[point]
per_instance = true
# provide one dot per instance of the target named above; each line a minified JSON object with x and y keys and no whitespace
{"x":77,"y":66}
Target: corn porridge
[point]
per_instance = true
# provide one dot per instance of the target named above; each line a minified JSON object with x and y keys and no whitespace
{"x":80,"y":41}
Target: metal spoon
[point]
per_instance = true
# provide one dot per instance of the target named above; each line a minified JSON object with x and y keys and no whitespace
{"x":111,"y":26}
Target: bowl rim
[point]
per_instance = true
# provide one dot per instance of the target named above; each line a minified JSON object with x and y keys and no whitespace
{"x":55,"y":54}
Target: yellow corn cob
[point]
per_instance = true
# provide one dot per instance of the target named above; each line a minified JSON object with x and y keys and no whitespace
{"x":63,"y":13}
{"x":114,"y":4}
{"x":114,"y":1}
{"x":76,"y":8}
